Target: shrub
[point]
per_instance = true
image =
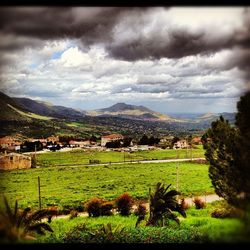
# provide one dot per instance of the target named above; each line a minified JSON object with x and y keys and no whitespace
{"x":98,"y":207}
{"x":199,"y":203}
{"x":184,"y":205}
{"x":124,"y":204}
{"x":226,"y":211}
{"x":106,"y":208}
{"x":73,"y":214}
{"x":93,"y":207}
{"x":141,"y":212}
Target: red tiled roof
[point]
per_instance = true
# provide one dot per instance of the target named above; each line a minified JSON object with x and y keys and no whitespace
{"x":113,"y":136}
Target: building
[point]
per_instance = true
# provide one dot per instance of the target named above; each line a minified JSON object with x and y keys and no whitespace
{"x":53,"y":139}
{"x":197,"y":140}
{"x":110,"y":138}
{"x":9,"y":142}
{"x":81,"y":144}
{"x":180,"y":144}
{"x":13,"y":161}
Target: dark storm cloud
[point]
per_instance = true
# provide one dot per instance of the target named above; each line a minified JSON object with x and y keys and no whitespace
{"x":30,"y":27}
{"x":90,"y":24}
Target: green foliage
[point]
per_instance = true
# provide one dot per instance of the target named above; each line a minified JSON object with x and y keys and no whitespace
{"x":199,"y":203}
{"x":18,"y":225}
{"x":162,"y":204}
{"x":124,"y":204}
{"x":227,"y":150}
{"x":107,"y":234}
{"x":197,"y":227}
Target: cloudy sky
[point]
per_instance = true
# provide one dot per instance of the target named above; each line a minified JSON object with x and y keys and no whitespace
{"x":178,"y":59}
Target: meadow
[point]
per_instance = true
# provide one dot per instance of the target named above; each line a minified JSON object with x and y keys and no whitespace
{"x":78,"y":157}
{"x":72,"y":186}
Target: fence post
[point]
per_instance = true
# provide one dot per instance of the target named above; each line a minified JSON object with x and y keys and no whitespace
{"x":39,"y":193}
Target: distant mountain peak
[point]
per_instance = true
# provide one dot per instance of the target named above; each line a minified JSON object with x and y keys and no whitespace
{"x":121,"y":106}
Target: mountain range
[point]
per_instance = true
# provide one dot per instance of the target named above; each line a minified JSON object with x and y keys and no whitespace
{"x":28,"y":111}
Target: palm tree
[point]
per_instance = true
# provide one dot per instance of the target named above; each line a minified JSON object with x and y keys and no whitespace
{"x":18,"y":225}
{"x":162,"y":204}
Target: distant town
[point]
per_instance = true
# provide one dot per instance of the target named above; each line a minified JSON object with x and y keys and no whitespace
{"x":16,"y":153}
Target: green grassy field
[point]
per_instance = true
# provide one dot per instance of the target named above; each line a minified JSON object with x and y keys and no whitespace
{"x":197,"y":227}
{"x":83,"y":157}
{"x":73,"y":185}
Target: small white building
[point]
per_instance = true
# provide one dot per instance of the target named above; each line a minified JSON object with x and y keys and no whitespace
{"x":180,"y":144}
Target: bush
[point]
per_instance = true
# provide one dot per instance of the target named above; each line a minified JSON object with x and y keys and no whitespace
{"x":226,"y":211}
{"x":184,"y":205}
{"x":199,"y":203}
{"x":141,"y":212}
{"x":124,"y":204}
{"x":98,"y":207}
{"x":93,"y":207}
{"x":106,"y":208}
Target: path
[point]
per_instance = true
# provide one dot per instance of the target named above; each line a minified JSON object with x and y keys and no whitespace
{"x":208,"y":198}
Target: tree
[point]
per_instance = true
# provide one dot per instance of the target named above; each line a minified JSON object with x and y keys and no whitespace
{"x":162,"y":204}
{"x":227,"y":150}
{"x":143,"y":140}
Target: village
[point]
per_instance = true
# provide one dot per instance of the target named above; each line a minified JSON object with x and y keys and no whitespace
{"x":17,"y":154}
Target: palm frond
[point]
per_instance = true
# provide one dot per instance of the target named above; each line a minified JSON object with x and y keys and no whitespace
{"x":8,"y":210}
{"x":39,"y":227}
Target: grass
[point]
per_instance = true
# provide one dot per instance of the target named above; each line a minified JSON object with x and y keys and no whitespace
{"x":73,"y":185}
{"x":197,"y":227}
{"x":79,"y":157}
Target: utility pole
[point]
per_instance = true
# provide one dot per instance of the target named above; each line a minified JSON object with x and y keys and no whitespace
{"x":39,"y":193}
{"x":35,"y":157}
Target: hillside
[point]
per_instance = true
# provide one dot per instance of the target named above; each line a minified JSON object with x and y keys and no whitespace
{"x":11,"y":111}
{"x":47,"y":109}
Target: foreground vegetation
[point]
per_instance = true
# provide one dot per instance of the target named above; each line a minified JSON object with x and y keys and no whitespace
{"x":75,"y":157}
{"x":72,"y":186}
{"x":197,"y":227}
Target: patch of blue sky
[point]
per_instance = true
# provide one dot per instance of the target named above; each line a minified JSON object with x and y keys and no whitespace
{"x":57,"y":54}
{"x":33,"y":65}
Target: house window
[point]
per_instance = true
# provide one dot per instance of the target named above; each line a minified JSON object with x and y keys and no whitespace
{"x":11,"y":158}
